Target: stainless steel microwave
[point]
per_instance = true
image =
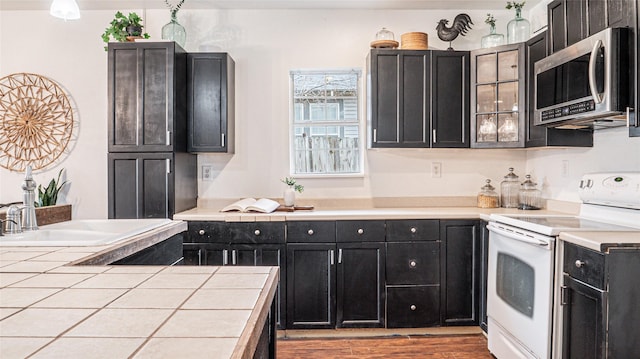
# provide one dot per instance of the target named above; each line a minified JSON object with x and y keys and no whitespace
{"x":587,"y":84}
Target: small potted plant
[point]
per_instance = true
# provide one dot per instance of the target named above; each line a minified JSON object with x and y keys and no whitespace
{"x":49,"y":195}
{"x":124,"y":28}
{"x":290,"y":192}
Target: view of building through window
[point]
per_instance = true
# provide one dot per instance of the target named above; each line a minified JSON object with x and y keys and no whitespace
{"x":326,"y":122}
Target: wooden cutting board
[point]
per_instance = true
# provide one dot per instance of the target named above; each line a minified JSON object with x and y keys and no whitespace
{"x":283,"y":208}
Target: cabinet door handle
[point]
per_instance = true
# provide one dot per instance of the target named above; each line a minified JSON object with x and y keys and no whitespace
{"x":168,"y":161}
{"x":580,"y":263}
{"x":434,"y":135}
{"x":412,"y":263}
{"x":234,"y":257}
{"x":199,"y":257}
{"x":340,"y":256}
{"x":225,"y":257}
{"x":257,"y":232}
{"x":413,"y":307}
{"x":375,"y":135}
{"x":564,"y":295}
{"x":222,"y":135}
{"x":360,"y":231}
{"x":331,"y":256}
{"x":168,"y":139}
{"x":201,"y":232}
{"x":310,"y":232}
{"x":414,"y":229}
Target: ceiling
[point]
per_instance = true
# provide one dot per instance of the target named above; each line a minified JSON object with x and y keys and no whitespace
{"x":270,"y":4}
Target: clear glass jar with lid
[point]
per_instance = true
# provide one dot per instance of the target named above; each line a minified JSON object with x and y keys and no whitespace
{"x":529,"y":196}
{"x":384,"y":34}
{"x":488,"y":197}
{"x":509,"y":189}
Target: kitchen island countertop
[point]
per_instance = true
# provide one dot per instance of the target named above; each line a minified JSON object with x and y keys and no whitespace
{"x":50,"y":306}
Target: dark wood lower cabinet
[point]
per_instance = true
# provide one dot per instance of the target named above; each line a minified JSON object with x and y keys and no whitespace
{"x":460,"y":272}
{"x":311,"y":283}
{"x":484,"y":275}
{"x":360,"y":285}
{"x":583,"y":317}
{"x":355,"y":274}
{"x":413,"y":306}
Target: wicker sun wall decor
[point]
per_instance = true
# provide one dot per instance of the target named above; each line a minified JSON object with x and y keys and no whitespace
{"x":36,"y":121}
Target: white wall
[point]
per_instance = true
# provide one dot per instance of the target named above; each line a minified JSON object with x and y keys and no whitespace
{"x":265,"y":44}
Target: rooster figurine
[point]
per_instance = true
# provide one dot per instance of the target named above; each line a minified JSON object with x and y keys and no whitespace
{"x":460,"y":27}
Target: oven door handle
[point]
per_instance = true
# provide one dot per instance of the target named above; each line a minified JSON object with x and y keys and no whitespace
{"x":518,"y":236}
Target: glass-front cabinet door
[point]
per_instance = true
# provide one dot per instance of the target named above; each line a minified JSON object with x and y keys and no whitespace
{"x":498,"y":97}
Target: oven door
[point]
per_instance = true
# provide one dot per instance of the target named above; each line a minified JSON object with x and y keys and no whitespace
{"x":519,"y":292}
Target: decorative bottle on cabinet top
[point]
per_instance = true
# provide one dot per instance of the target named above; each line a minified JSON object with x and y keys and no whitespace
{"x":493,"y":39}
{"x":518,"y":29}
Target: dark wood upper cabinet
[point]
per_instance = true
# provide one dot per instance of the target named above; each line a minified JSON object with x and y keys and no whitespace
{"x":573,"y":20}
{"x":211,"y":102}
{"x":419,"y":98}
{"x":450,"y":99}
{"x":634,"y":121}
{"x":147,"y":97}
{"x":557,"y":30}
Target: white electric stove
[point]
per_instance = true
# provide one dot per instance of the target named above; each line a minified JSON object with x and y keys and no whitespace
{"x":522,"y":261}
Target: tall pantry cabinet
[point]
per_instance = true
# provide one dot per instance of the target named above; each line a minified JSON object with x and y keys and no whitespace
{"x":150,"y":173}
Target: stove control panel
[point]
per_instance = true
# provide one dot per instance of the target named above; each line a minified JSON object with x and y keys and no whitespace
{"x":611,"y":189}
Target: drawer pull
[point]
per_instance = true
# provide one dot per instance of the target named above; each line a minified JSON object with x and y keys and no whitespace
{"x":310,"y":232}
{"x":414,"y":229}
{"x":360,"y":230}
{"x":413,"y":307}
{"x":412,"y":264}
{"x":201,"y":232}
{"x":257,"y":232}
{"x":580,"y":263}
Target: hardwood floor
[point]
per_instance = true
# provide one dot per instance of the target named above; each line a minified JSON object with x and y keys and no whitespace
{"x":397,"y":347}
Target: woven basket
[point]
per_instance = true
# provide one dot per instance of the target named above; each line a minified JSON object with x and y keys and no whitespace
{"x":415,"y":41}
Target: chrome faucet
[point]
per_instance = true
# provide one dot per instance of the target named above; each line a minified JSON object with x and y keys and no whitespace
{"x":29,"y":221}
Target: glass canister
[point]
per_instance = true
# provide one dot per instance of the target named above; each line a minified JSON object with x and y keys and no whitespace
{"x":384,"y":34}
{"x":509,"y":189}
{"x":488,"y":197}
{"x":529,"y":196}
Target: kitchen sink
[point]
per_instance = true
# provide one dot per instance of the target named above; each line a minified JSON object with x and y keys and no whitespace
{"x":90,"y":232}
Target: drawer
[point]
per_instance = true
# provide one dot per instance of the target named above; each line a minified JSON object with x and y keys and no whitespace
{"x":206,"y":232}
{"x":360,"y":231}
{"x":585,"y":265}
{"x":413,"y":306}
{"x":311,"y":232}
{"x":413,"y":263}
{"x":413,"y":230}
{"x":256,"y":232}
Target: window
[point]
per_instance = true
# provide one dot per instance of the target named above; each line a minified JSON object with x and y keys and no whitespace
{"x":325,"y":122}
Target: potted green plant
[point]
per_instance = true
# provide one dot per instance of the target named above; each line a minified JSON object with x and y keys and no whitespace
{"x":49,"y":195}
{"x":290,"y":192}
{"x":124,"y":28}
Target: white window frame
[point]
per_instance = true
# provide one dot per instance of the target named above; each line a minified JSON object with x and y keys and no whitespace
{"x":359,"y":123}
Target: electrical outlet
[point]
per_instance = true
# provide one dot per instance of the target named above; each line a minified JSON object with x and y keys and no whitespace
{"x":207,"y":173}
{"x":565,"y":169}
{"x":436,"y":169}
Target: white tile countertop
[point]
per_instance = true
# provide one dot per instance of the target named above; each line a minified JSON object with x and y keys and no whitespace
{"x":51,"y":306}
